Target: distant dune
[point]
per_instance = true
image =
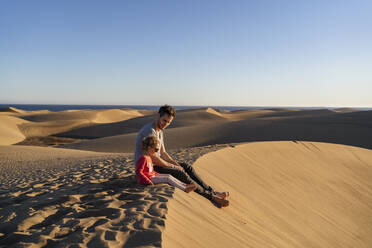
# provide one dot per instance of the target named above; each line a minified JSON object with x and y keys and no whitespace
{"x":345,"y":110}
{"x":115,"y":130}
{"x":184,"y":118}
{"x":198,"y":128}
{"x":30,"y":126}
{"x":9,"y":131}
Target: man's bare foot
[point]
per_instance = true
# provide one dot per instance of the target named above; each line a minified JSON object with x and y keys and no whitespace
{"x":220,"y":201}
{"x":222,"y":195}
{"x":190,"y":187}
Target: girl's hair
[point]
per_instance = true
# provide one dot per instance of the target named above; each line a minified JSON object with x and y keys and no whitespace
{"x":149,"y":141}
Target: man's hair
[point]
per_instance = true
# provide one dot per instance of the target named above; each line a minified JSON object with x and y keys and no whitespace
{"x":149,"y":141}
{"x":166,"y":109}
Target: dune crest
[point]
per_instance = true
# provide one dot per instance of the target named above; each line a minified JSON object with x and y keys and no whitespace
{"x":115,"y":115}
{"x":213,"y":111}
{"x":283,"y":194}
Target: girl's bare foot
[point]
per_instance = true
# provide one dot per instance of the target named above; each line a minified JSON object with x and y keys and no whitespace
{"x":190,"y":187}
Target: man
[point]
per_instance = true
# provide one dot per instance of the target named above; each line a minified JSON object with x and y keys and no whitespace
{"x":165,"y":164}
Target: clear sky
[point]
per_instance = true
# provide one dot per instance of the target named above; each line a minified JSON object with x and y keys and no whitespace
{"x":192,"y":52}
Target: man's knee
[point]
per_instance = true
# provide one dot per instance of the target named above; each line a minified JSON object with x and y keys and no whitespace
{"x":186,"y":166}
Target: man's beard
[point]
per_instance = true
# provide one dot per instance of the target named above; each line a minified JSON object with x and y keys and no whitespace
{"x":159,"y":125}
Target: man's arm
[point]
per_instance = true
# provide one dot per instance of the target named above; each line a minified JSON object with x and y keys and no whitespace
{"x":165,"y":156}
{"x":161,"y":162}
{"x":168,"y":159}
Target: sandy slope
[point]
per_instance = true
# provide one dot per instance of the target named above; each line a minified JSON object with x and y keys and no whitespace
{"x":283,"y":194}
{"x":9,"y":131}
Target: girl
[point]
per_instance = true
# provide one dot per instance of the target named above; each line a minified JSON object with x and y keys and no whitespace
{"x":145,"y":170}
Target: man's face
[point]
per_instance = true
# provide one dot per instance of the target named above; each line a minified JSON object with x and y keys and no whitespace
{"x":164,"y":121}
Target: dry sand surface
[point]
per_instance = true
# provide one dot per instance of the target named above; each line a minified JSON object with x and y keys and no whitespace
{"x":283,"y":194}
{"x":51,"y":197}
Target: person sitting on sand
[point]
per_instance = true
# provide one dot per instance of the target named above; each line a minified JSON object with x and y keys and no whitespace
{"x":165,"y":164}
{"x":145,"y":172}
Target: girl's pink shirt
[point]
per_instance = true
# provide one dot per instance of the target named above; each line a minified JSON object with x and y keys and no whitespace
{"x":145,"y":170}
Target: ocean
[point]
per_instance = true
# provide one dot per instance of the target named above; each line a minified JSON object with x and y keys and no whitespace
{"x":52,"y":107}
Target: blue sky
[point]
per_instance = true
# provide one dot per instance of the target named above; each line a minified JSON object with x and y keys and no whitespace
{"x":235,"y":53}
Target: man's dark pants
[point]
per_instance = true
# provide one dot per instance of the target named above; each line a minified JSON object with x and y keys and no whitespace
{"x":188,"y":176}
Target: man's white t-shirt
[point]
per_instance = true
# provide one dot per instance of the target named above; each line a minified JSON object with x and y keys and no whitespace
{"x":148,"y":129}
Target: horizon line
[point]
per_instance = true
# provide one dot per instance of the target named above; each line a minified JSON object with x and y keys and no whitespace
{"x":148,"y":105}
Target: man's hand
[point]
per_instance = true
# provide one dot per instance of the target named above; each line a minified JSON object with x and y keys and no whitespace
{"x":179,"y":167}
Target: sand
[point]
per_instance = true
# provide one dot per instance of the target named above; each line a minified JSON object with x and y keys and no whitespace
{"x":9,"y":131}
{"x":283,"y":194}
{"x":297,"y":178}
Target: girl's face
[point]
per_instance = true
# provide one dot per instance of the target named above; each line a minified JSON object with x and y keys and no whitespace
{"x":152,"y":150}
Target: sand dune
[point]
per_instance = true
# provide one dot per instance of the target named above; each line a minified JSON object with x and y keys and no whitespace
{"x":245,"y":114}
{"x":108,"y":129}
{"x":46,"y":128}
{"x":9,"y":131}
{"x":12,"y":110}
{"x":36,"y":125}
{"x":322,"y":126}
{"x":346,"y":110}
{"x":195,"y":127}
{"x":283,"y":194}
{"x":184,"y":118}
{"x":49,"y":124}
{"x":96,"y":116}
{"x":7,"y":110}
{"x":116,"y":115}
